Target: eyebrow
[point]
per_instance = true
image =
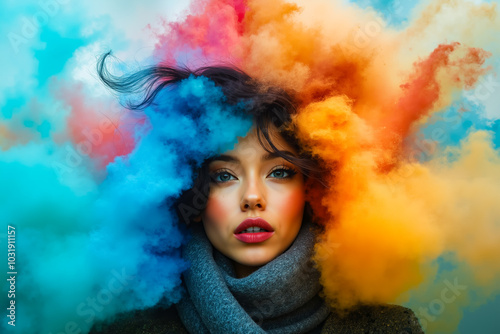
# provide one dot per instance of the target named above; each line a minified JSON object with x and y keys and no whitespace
{"x":266,"y":157}
{"x":273,"y":155}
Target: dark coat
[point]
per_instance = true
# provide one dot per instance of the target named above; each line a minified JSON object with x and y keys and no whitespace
{"x":390,"y":319}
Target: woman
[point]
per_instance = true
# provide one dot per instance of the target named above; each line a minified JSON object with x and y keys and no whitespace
{"x":252,"y":229}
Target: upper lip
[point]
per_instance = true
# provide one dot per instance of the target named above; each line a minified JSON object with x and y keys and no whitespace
{"x":254,"y":222}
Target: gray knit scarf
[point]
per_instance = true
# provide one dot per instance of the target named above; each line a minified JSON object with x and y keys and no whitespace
{"x":280,"y":297}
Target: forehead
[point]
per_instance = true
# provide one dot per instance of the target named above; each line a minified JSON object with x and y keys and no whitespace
{"x":250,"y":145}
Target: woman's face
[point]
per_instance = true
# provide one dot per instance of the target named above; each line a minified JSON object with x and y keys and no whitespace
{"x":249,"y":183}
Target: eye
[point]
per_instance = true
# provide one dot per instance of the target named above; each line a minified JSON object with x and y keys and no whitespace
{"x":222,"y":176}
{"x":282,"y":172}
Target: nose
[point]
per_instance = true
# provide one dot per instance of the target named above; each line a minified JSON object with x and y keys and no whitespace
{"x":253,"y":197}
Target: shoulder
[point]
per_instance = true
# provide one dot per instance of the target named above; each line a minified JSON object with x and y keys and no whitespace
{"x":374,"y":319}
{"x":363,"y":320}
{"x":149,"y":321}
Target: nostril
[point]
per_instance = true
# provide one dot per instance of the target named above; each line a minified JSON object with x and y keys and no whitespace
{"x":248,"y":206}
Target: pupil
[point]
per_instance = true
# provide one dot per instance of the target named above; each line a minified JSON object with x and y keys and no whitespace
{"x":225,"y":176}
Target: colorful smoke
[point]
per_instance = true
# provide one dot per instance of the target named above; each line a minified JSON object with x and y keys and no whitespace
{"x":400,"y":103}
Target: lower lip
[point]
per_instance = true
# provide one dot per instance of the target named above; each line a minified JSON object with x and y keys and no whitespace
{"x":252,"y":238}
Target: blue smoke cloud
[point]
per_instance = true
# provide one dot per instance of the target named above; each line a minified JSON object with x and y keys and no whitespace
{"x":91,"y":250}
{"x":450,"y":127}
{"x":395,"y":12}
{"x":91,"y":243}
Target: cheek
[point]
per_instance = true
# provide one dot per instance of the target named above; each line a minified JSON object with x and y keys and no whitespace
{"x":291,"y":203}
{"x":217,"y":211}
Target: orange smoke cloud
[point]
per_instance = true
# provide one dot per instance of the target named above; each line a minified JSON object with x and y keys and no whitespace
{"x":379,"y":233}
{"x":389,"y":219}
{"x":364,"y":89}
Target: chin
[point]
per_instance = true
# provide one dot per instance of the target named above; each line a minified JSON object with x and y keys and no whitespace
{"x":255,"y":260}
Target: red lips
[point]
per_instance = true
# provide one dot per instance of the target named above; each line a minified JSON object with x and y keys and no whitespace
{"x":254,"y":222}
{"x":253,"y":237}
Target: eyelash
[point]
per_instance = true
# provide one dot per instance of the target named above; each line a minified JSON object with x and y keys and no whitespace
{"x":290,"y":171}
{"x":213,"y":177}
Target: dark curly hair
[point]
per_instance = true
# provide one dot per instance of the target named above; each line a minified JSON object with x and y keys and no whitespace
{"x":270,"y":107}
